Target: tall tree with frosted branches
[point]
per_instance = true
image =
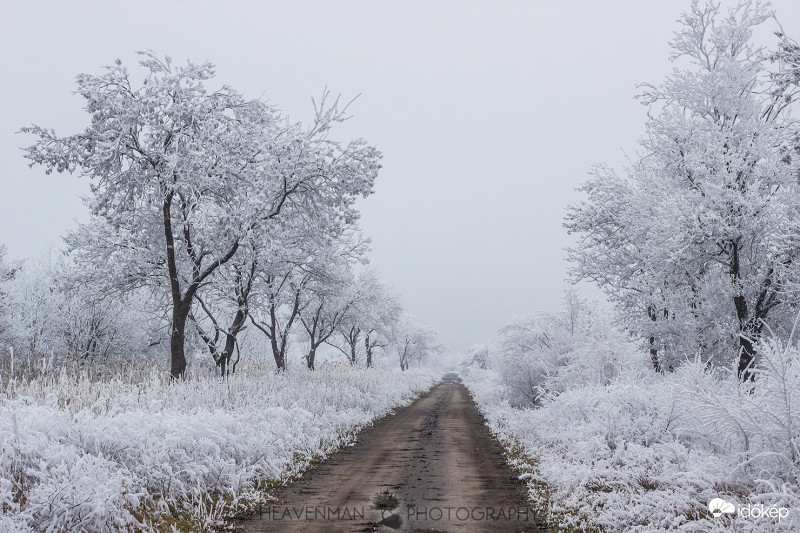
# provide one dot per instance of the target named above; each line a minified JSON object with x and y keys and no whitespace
{"x":697,"y":244}
{"x":182,"y":176}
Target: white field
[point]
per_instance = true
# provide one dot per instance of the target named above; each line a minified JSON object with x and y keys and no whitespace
{"x":647,"y":452}
{"x":117,"y":455}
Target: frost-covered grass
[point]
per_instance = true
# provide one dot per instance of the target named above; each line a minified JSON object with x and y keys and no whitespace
{"x":120,"y":454}
{"x":647,"y":452}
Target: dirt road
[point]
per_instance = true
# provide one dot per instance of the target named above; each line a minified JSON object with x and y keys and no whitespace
{"x":432,"y":466}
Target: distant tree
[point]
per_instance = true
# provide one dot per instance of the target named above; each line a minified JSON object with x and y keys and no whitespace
{"x":477,"y":356}
{"x":328,"y":306}
{"x":7,"y":272}
{"x":368,"y":322}
{"x":331,"y":294}
{"x":49,"y":313}
{"x":414,"y":343}
{"x":183,"y":177}
{"x":537,"y":357}
{"x":380,"y":323}
{"x":279,"y":307}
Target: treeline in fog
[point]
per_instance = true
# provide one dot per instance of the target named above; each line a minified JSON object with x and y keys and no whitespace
{"x":216,"y":223}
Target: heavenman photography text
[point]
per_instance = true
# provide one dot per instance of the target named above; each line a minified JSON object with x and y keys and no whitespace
{"x":452,"y":266}
{"x":413,"y":514}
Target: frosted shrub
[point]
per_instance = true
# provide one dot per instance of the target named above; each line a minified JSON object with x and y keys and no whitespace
{"x":478,"y":356}
{"x":756,"y":423}
{"x":47,"y":312}
{"x":648,"y":454}
{"x":541,"y":356}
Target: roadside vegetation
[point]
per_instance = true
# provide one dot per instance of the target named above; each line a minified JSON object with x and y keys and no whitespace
{"x":606,"y":444}
{"x":687,"y":388}
{"x":134,"y":451}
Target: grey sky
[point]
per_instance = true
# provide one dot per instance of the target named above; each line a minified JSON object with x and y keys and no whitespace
{"x":489,"y":114}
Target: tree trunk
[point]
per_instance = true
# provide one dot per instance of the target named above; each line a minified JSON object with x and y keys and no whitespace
{"x":222,"y":364}
{"x":182,"y":302}
{"x":746,"y":349}
{"x":225,"y":357}
{"x":654,"y":355}
{"x":748,"y":329}
{"x":749,"y":334}
{"x":179,"y":311}
{"x":368,"y":350}
{"x":651,"y":312}
{"x":746,"y":357}
{"x":280,"y":360}
{"x":230,"y":340}
{"x":312,"y":354}
{"x":177,"y":338}
{"x":232,"y":364}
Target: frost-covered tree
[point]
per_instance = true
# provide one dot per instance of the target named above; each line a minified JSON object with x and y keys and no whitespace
{"x":328,"y":305}
{"x":49,"y":313}
{"x":183,"y":176}
{"x":332,"y":293}
{"x":786,"y":78}
{"x":279,"y":306}
{"x":386,"y":311}
{"x":7,"y":272}
{"x":282,"y":292}
{"x":367,"y":324}
{"x":221,"y":310}
{"x":541,"y":356}
{"x":414,"y":343}
{"x":697,"y":242}
{"x":36,"y":300}
{"x":302,"y":284}
{"x":477,"y":356}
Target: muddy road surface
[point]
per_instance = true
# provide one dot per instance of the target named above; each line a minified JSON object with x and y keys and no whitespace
{"x":431,"y":466}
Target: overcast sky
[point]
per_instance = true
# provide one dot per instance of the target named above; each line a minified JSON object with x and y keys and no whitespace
{"x":489,"y":114}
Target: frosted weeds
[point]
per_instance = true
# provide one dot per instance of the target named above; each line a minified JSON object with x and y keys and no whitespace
{"x":82,"y":455}
{"x":648,"y":452}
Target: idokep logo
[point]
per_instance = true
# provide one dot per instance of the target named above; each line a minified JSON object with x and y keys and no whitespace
{"x":718,"y":507}
{"x":760,"y":511}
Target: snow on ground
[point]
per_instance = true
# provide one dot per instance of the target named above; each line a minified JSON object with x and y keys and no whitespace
{"x":112,"y":455}
{"x":648,"y":452}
